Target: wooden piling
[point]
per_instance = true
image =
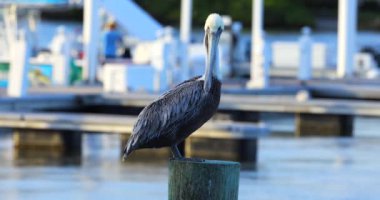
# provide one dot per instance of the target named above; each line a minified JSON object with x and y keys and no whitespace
{"x":40,"y":147}
{"x":243,"y":151}
{"x":324,"y":125}
{"x":191,"y":179}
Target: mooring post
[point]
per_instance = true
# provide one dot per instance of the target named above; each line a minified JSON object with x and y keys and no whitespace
{"x":347,"y":28}
{"x":203,"y":180}
{"x":324,"y":125}
{"x":242,"y":150}
{"x":47,"y":147}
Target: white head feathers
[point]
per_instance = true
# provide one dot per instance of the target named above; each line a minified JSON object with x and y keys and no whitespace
{"x":214,"y":22}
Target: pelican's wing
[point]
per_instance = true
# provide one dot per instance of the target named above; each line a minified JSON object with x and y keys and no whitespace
{"x":179,"y":85}
{"x":161,"y":118}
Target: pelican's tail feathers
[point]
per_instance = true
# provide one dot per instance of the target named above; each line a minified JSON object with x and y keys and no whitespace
{"x":129,"y":148}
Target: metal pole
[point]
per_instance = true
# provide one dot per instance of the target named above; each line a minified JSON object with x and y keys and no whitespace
{"x":185,"y":35}
{"x":19,"y":66}
{"x":347,"y":12}
{"x":91,"y":31}
{"x":186,"y":14}
{"x":259,"y":73}
{"x":10,"y":19}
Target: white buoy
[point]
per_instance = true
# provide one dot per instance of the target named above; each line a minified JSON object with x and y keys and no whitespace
{"x":305,"y":48}
{"x":347,"y":21}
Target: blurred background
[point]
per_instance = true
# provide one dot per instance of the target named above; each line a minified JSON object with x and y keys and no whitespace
{"x":299,"y":109}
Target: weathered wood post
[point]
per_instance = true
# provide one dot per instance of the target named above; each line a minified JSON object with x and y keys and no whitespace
{"x":243,"y":150}
{"x":47,"y":146}
{"x":324,"y":125}
{"x":203,"y":180}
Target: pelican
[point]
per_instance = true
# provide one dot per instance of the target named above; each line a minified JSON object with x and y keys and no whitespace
{"x":176,"y":114}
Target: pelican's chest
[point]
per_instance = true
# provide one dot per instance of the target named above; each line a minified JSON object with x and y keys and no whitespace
{"x":211,"y":98}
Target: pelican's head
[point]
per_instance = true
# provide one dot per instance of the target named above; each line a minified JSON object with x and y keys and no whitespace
{"x":214,"y":23}
{"x":213,"y":29}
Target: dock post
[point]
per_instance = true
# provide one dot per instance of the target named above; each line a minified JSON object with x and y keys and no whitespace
{"x":324,"y":125}
{"x":185,"y":36}
{"x":259,"y":64}
{"x":239,"y":150}
{"x":203,"y":180}
{"x":47,"y":147}
{"x":91,"y":34}
{"x":19,"y":65}
{"x":347,"y":22}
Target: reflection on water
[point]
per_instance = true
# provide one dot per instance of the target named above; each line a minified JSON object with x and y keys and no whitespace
{"x":289,"y":168}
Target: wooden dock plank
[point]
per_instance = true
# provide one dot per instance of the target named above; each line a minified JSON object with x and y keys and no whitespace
{"x":119,"y":124}
{"x":35,"y":102}
{"x":284,"y":104}
{"x":52,"y":98}
{"x":342,"y":88}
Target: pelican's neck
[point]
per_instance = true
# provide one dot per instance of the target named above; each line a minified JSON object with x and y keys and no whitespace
{"x":211,"y":63}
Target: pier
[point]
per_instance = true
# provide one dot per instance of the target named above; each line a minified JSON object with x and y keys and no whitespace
{"x":62,"y":130}
{"x":61,"y":113}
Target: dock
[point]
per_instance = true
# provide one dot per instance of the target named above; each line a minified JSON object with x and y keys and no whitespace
{"x":53,"y":130}
{"x":63,"y":114}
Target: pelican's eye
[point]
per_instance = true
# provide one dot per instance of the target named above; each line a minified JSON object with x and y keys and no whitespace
{"x":220,"y":30}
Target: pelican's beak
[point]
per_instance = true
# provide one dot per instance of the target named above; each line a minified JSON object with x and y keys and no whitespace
{"x":211,"y":42}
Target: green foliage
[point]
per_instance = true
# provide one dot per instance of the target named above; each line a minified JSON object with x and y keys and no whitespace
{"x":369,"y":20}
{"x":287,"y":13}
{"x":278,"y":13}
{"x":167,"y":12}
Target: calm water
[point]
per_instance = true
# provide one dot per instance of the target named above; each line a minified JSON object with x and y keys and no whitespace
{"x":289,"y":168}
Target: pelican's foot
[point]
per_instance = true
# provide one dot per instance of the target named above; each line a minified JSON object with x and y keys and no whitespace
{"x":176,"y":153}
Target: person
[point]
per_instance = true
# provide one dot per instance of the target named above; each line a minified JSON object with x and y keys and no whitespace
{"x":111,"y":39}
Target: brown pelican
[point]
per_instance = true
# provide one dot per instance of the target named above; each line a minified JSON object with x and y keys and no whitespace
{"x":182,"y":110}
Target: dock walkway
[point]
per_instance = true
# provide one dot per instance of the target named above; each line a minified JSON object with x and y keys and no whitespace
{"x":105,"y":123}
{"x":257,"y":103}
